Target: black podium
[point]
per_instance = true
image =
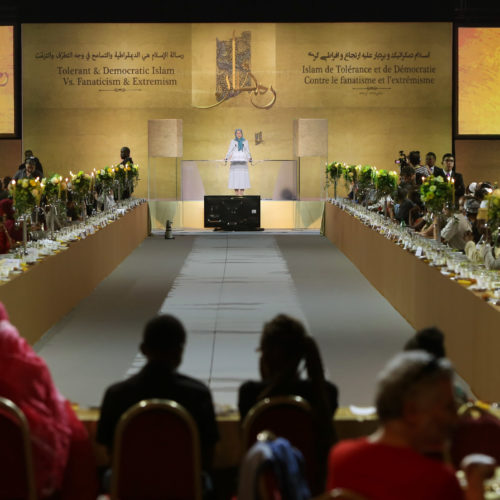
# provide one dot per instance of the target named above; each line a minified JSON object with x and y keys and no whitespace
{"x":233,"y":213}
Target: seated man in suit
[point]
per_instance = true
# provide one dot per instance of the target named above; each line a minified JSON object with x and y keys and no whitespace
{"x":416,"y":407}
{"x":163,"y":345}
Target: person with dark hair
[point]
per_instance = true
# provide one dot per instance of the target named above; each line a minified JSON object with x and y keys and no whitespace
{"x":402,"y":206}
{"x":284,"y":345}
{"x":239,"y":155}
{"x":163,"y":343}
{"x":4,"y":187}
{"x":125,"y":156}
{"x":9,"y":234}
{"x":431,"y":340}
{"x":452,"y":175}
{"x":430,"y":162}
{"x":417,"y":412}
{"x":407,"y":177}
{"x":27,"y":155}
{"x":126,"y":162}
{"x":29,"y":171}
{"x":420,"y":170}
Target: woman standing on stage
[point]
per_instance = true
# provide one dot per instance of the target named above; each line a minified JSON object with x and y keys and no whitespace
{"x":239,"y":156}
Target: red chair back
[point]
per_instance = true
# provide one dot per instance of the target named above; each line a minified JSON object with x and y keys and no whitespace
{"x":16,"y":462}
{"x":478,"y":431}
{"x":289,"y":417}
{"x":156,"y":453}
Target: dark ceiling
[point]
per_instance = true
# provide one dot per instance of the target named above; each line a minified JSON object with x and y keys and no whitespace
{"x":26,"y":11}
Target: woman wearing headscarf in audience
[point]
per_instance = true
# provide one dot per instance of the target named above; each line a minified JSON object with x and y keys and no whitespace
{"x":9,"y":234}
{"x":63,"y":458}
{"x":284,"y":344}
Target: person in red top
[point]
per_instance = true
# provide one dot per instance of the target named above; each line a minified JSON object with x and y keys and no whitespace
{"x":416,"y":407}
{"x":64,"y":463}
{"x":9,"y":234}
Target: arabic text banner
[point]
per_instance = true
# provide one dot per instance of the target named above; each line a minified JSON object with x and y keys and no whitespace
{"x":478,"y":89}
{"x":7,"y":121}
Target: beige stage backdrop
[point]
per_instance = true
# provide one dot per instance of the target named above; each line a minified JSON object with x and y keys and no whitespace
{"x":89,"y":89}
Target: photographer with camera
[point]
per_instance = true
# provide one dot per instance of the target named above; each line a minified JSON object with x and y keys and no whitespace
{"x":402,"y":161}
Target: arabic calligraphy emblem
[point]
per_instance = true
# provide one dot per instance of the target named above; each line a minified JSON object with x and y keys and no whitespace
{"x":4,"y":79}
{"x":234,"y":75}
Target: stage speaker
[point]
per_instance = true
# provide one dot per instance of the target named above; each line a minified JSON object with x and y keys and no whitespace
{"x":165,"y":138}
{"x":232,"y":213}
{"x":310,"y":137}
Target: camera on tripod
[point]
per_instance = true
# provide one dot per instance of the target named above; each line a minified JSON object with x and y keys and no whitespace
{"x":402,"y":161}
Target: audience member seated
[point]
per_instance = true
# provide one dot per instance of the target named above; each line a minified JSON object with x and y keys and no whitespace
{"x":29,"y":171}
{"x":448,"y":163}
{"x":407,"y":179}
{"x":431,"y":340}
{"x":27,"y":155}
{"x":402,"y":206}
{"x":9,"y":235}
{"x":63,"y":456}
{"x":416,"y":215}
{"x":489,"y":252}
{"x":455,"y":229}
{"x":163,"y":345}
{"x":471,"y":209}
{"x":416,"y":408}
{"x":4,"y":188}
{"x":284,"y":344}
{"x":482,"y":189}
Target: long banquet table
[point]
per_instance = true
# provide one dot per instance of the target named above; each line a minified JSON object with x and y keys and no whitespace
{"x":49,"y":289}
{"x":425,"y":297}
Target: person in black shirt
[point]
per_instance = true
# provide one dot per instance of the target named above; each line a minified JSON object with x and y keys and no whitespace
{"x":448,"y":163}
{"x":125,"y":156}
{"x":163,"y":345}
{"x":284,"y":344}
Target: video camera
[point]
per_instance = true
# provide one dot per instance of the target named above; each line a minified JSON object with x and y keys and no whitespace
{"x":402,"y":161}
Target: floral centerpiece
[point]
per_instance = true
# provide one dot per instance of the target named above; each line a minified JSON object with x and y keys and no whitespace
{"x":350,"y":174}
{"x":124,"y":186}
{"x":55,"y":188}
{"x":385,"y":183}
{"x":333,"y":172}
{"x":365,"y":180}
{"x":80,"y":185}
{"x":105,"y":178}
{"x":493,"y":200}
{"x":435,"y":192}
{"x":26,"y":195}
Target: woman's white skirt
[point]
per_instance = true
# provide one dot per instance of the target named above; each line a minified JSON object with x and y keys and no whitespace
{"x":238,"y":175}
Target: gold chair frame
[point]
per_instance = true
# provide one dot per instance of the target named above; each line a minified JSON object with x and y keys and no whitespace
{"x":12,"y":409}
{"x":265,"y":404}
{"x":146,"y":405}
